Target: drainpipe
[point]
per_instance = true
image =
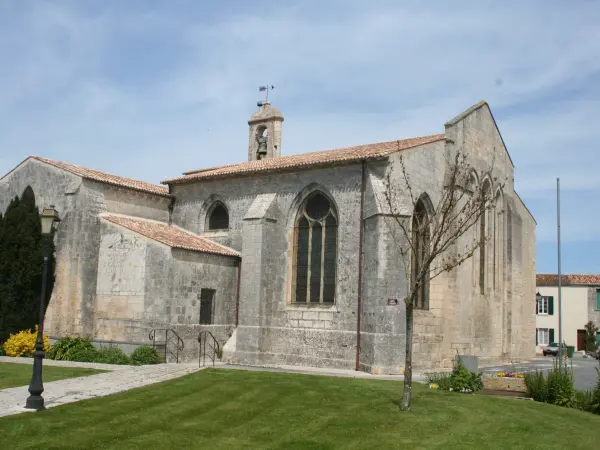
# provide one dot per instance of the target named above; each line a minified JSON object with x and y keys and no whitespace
{"x":237,"y":300}
{"x":360,"y":261}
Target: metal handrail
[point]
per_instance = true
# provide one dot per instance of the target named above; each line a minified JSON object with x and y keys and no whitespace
{"x":175,"y":340}
{"x":204,"y":338}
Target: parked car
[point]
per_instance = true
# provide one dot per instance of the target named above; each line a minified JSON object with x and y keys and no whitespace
{"x":553,"y":349}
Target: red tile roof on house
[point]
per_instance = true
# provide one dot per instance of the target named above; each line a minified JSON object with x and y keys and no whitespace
{"x":551,"y":279}
{"x":170,"y":235}
{"x":103,"y":177}
{"x":342,"y":155}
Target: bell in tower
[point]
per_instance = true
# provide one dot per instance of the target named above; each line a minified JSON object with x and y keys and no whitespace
{"x":265,"y":133}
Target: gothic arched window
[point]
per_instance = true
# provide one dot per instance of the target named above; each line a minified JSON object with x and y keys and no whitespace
{"x":420,"y":253}
{"x":315,"y":251}
{"x":218,"y":217}
{"x":485,"y":225}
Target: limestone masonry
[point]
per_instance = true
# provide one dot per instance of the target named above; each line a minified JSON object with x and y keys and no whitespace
{"x":265,"y":254}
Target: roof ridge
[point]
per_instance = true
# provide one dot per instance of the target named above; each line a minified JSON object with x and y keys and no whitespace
{"x":315,"y":152}
{"x":341,"y":154}
{"x":568,"y":279}
{"x":105,"y":177}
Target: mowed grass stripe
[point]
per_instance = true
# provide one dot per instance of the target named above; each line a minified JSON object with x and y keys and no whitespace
{"x":225,"y":409}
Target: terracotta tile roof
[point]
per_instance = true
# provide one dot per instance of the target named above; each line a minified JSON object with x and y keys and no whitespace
{"x":103,"y":177}
{"x":172,"y":236}
{"x":342,"y":155}
{"x":551,"y":279}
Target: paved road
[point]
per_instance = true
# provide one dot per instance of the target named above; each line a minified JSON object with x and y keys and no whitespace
{"x":584,"y":369}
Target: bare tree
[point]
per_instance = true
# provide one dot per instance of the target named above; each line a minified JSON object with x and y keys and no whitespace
{"x":434,"y":240}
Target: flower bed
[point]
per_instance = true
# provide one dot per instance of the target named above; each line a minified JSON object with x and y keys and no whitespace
{"x":511,"y":381}
{"x":510,"y":375}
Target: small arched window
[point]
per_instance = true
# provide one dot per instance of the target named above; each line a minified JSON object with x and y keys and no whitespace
{"x":218,"y":217}
{"x":315,"y":251}
{"x":420,"y":253}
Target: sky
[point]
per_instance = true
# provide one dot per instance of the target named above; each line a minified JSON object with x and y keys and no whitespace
{"x":148,"y":89}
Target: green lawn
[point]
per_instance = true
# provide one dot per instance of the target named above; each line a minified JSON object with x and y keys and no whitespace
{"x":13,"y":374}
{"x":231,"y":409}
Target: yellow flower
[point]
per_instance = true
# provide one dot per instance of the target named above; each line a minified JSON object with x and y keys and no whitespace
{"x":23,"y":343}
{"x":500,"y":374}
{"x":433,"y":386}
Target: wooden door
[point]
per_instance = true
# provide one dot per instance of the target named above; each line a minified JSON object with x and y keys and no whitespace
{"x":206,"y":306}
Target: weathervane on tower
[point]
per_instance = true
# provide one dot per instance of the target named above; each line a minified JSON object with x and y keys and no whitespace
{"x":265,"y":89}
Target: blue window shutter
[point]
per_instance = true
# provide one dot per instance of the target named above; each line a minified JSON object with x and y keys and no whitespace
{"x":551,"y":337}
{"x":551,"y":305}
{"x":536,"y":336}
{"x":598,"y":299}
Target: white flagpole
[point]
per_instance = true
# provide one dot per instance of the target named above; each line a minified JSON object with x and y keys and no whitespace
{"x":560,"y":340}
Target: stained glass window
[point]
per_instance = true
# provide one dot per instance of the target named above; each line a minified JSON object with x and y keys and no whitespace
{"x":315,"y":251}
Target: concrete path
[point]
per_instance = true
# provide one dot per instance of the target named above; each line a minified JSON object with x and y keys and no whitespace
{"x":118,"y":379}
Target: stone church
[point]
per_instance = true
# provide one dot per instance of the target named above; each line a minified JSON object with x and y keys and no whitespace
{"x":287,"y":259}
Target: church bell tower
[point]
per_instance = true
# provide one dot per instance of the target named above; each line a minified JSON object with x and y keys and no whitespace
{"x":265,"y":133}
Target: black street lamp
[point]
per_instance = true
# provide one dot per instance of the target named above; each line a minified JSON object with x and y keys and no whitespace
{"x":49,"y":219}
{"x":538,"y":299}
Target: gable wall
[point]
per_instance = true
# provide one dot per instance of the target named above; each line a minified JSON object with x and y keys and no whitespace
{"x":293,"y":333}
{"x":497,"y":324}
{"x":71,"y":309}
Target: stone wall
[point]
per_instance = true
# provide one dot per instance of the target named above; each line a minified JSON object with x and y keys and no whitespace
{"x":115,"y":285}
{"x":144,"y":285}
{"x":53,"y":186}
{"x":593,"y":312}
{"x":120,"y":292}
{"x":262,"y":213}
{"x":79,"y":202}
{"x":492,"y":323}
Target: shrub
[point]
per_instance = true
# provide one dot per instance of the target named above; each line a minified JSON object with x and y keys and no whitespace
{"x":591,"y":330}
{"x":595,"y":406}
{"x":561,"y":390}
{"x":556,"y":387}
{"x":83,"y":354}
{"x":537,"y":387}
{"x":584,"y":400}
{"x":63,"y":349}
{"x":113,"y":355}
{"x":23,"y":343}
{"x":442,"y":380}
{"x":144,"y":355}
{"x":459,"y":380}
{"x":463,"y":380}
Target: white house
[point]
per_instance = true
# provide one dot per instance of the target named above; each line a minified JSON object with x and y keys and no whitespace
{"x":580,"y":303}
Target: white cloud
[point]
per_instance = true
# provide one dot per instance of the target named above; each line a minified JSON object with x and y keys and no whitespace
{"x":149,"y":93}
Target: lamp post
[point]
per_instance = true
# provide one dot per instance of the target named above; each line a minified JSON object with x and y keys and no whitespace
{"x":49,"y":219}
{"x":538,"y":299}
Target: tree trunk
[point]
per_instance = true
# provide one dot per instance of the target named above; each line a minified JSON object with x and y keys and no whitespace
{"x":406,"y":398}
